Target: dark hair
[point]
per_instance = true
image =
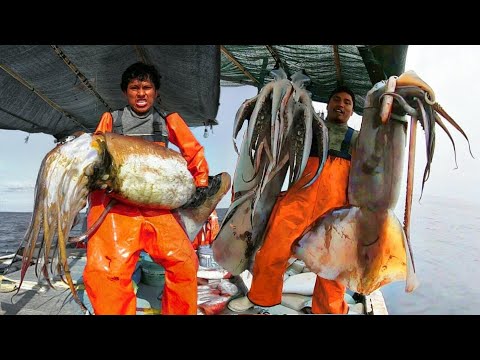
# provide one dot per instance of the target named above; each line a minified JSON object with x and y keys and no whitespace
{"x":142,"y":72}
{"x":345,"y":89}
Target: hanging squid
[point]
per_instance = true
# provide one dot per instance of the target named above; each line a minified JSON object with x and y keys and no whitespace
{"x":364,"y":245}
{"x":132,"y":170}
{"x":281,"y":125}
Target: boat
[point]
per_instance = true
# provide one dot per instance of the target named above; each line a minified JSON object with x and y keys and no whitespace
{"x":75,"y":84}
{"x":36,"y":297}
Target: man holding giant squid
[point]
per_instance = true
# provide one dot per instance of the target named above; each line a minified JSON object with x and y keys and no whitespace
{"x":143,"y":196}
{"x":298,"y":207}
{"x":337,"y":214}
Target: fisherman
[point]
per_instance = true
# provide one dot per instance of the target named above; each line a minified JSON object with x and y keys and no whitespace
{"x":114,"y":248}
{"x":296,"y":209}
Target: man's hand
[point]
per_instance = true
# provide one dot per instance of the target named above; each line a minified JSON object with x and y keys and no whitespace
{"x":198,"y":198}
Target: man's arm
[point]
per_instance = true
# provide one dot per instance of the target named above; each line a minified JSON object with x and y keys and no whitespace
{"x":105,"y":124}
{"x":181,"y":135}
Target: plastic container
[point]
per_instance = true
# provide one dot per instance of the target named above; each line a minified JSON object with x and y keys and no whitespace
{"x":205,"y":257}
{"x":153,"y":274}
{"x":137,"y":274}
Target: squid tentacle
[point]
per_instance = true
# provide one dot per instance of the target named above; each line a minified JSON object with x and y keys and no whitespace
{"x":243,"y":113}
{"x":428,"y":139}
{"x":402,"y":102}
{"x":445,"y":115}
{"x":281,"y":87}
{"x":321,"y":133}
{"x":442,"y":125}
{"x":263,"y":96}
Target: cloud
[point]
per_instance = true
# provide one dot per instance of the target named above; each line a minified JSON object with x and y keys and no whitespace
{"x":17,"y":186}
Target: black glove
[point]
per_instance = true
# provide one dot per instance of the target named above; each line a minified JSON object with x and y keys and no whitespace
{"x":197,"y":198}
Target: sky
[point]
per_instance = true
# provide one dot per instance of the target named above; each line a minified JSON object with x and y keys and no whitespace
{"x":451,"y":71}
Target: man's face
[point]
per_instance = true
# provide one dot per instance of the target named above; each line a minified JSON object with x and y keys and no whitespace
{"x":340,"y":108}
{"x":141,"y":95}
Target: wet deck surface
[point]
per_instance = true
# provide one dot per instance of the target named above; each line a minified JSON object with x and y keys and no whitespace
{"x":38,"y":298}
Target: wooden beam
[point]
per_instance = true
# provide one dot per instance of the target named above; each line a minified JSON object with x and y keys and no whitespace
{"x":79,"y":75}
{"x":279,"y":61}
{"x":232,"y":59}
{"x":338,"y":66}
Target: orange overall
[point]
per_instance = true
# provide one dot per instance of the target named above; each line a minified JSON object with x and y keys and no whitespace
{"x":294,"y":211}
{"x":114,"y":248}
{"x":208,"y":232}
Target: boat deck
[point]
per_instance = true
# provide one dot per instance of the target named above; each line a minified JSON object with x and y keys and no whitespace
{"x":36,"y":297}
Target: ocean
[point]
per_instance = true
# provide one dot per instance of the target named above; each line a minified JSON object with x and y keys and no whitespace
{"x":446,"y":249}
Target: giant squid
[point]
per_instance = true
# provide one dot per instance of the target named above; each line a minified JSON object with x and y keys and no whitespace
{"x":281,"y":125}
{"x":130,"y":169}
{"x":363,"y":245}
